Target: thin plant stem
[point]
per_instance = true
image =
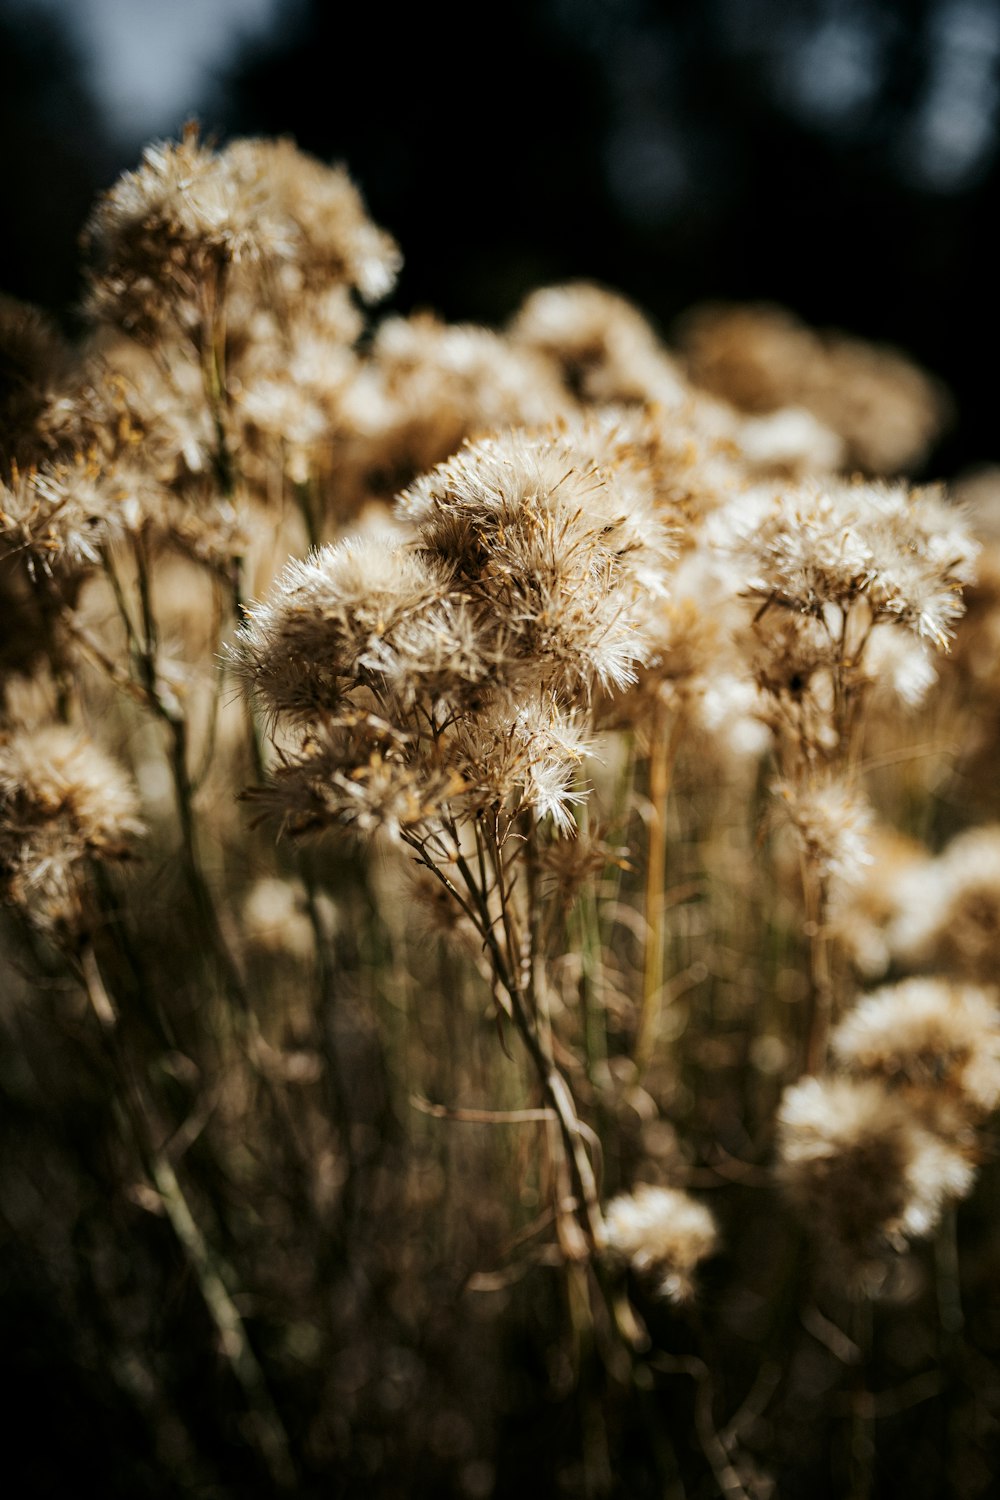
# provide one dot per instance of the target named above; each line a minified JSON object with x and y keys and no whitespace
{"x":662,"y":753}
{"x":270,"y":1436}
{"x":821,"y":989}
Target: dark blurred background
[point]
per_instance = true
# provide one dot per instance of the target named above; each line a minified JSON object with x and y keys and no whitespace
{"x":839,"y":156}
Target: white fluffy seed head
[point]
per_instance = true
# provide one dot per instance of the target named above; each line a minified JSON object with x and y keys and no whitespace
{"x":663,"y":1234}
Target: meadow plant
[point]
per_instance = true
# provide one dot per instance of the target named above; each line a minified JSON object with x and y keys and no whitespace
{"x":502,"y":894}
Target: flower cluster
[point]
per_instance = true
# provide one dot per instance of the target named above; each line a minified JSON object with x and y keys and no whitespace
{"x":443,"y":670}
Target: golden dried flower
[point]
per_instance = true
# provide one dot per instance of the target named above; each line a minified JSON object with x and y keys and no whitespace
{"x":326,"y":233}
{"x":906,"y":554}
{"x":426,"y":387}
{"x":569,"y":864}
{"x":950,"y":912}
{"x":789,"y":441}
{"x":525,"y":758}
{"x":164,"y":235}
{"x":871,"y":908}
{"x":59,"y":517}
{"x":360,"y":774}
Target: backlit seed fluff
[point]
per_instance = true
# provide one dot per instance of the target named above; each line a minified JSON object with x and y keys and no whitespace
{"x":601,"y":344}
{"x":357,"y":775}
{"x":62,"y":802}
{"x":885,"y":409}
{"x":561,"y":550}
{"x":167,"y":239}
{"x":331,"y":618}
{"x":322,"y":216}
{"x":178,"y":221}
{"x":663,"y":1234}
{"x":905,"y":554}
{"x":524,"y":759}
{"x":928,"y":1034}
{"x":831,"y":821}
{"x":860,"y":1166}
{"x":57,"y":518}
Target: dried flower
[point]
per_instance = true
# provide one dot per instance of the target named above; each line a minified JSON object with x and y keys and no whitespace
{"x":950,"y":914}
{"x":275,"y":919}
{"x":664,"y":1234}
{"x":906,"y":554}
{"x":163,"y":237}
{"x":928,"y":1035}
{"x":870,"y":909}
{"x":344,"y":616}
{"x":569,"y":864}
{"x":761,"y":358}
{"x":521,"y":759}
{"x":603,"y":346}
{"x":329,"y":237}
{"x":900,"y":668}
{"x":860,"y":1166}
{"x":58,"y":518}
{"x":358,"y":774}
{"x":562,"y":551}
{"x":789,"y":441}
{"x":831,"y":820}
{"x":169,"y":238}
{"x":62,"y":802}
